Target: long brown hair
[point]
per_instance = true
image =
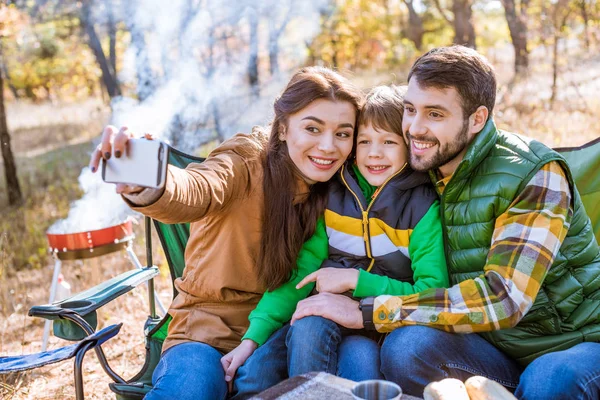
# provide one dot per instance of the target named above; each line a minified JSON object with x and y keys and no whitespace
{"x":286,"y":226}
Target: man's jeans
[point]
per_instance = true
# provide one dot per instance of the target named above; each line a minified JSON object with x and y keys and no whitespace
{"x":318,"y":344}
{"x":193,"y":371}
{"x":413,"y":356}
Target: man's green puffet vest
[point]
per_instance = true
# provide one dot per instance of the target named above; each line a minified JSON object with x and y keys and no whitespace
{"x":494,"y":171}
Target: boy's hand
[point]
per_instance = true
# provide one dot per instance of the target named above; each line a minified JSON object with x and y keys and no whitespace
{"x":236,"y":358}
{"x":332,"y":280}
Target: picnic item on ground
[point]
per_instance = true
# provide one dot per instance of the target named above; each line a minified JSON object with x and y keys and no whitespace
{"x":446,"y":389}
{"x":482,"y":388}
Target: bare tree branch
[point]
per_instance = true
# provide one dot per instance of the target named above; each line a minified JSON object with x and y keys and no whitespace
{"x":443,"y":12}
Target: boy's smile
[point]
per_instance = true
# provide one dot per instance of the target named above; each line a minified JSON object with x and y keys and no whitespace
{"x":379,"y":154}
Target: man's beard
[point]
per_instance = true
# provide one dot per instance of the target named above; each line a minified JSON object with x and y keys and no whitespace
{"x":443,"y":155}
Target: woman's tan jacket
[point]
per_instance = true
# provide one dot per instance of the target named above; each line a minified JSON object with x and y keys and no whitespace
{"x":223,"y":199}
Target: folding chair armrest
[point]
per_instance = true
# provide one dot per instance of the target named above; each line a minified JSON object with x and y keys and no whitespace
{"x":31,"y":361}
{"x":90,"y":300}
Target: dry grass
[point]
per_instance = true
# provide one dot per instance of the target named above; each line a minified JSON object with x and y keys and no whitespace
{"x":48,"y":174}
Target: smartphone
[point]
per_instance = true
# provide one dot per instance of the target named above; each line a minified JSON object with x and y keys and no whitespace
{"x":143,"y":164}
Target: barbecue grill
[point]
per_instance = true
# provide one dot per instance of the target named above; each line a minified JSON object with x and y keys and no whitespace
{"x":89,"y":244}
{"x":82,"y":245}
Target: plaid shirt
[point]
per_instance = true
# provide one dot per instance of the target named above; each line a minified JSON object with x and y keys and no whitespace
{"x":525,"y":242}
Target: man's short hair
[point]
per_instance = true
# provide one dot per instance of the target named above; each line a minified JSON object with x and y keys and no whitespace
{"x":461,"y":68}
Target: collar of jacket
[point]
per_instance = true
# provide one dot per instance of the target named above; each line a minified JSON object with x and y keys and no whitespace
{"x":406,"y":179}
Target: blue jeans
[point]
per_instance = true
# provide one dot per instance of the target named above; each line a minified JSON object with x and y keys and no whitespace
{"x":266,"y":367}
{"x":413,"y":356}
{"x":189,"y":371}
{"x":193,"y":371}
{"x":318,"y":344}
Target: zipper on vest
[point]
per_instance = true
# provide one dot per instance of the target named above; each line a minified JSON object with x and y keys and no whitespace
{"x":365,"y":218}
{"x":365,"y":213}
{"x":366,"y":238}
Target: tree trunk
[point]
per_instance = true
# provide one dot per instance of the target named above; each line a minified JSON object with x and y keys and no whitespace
{"x":12,"y":87}
{"x":464,"y":31}
{"x":275,"y":33}
{"x":15,"y":196}
{"x":584,"y":15}
{"x":273,"y":54}
{"x":109,"y":81}
{"x":560,"y":21}
{"x":517,"y":25}
{"x":415,"y":30}
{"x":145,"y":78}
{"x":112,"y":38}
{"x":253,"y":60}
{"x":554,"y":67}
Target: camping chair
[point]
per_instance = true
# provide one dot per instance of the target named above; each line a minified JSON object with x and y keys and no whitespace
{"x":585,"y":167}
{"x":584,"y":160}
{"x":77,"y":350}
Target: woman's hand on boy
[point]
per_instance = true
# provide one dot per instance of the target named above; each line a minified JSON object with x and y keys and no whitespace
{"x":236,"y":358}
{"x":332,"y":280}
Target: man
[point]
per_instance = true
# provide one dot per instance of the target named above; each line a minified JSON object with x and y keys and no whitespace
{"x":521,"y":253}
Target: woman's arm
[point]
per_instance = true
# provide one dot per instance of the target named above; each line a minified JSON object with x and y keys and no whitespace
{"x":207,"y":187}
{"x":276,"y":307}
{"x":426,"y":249}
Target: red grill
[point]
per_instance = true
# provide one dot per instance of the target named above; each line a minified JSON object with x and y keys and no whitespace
{"x":90,"y":244}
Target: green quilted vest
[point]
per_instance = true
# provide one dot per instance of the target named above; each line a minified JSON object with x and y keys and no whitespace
{"x":496,"y":167}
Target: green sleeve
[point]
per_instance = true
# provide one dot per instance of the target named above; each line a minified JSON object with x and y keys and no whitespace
{"x":277,"y":307}
{"x":426,"y":249}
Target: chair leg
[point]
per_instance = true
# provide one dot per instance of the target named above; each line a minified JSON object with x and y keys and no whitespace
{"x":57,"y":267}
{"x":78,"y":369}
{"x":153,"y":298}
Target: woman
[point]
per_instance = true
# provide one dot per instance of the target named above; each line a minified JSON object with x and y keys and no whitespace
{"x":251,"y":204}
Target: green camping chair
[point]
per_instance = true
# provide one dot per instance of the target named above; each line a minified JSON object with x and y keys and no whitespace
{"x":584,"y":160}
{"x":585,"y":166}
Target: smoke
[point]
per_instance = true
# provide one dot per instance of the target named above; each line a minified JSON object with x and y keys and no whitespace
{"x":191,"y":64}
{"x":95,"y":210}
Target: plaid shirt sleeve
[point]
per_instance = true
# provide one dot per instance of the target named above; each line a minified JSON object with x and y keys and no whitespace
{"x":525,"y":242}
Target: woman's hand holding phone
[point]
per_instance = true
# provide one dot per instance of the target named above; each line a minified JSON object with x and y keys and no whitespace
{"x":115,"y":144}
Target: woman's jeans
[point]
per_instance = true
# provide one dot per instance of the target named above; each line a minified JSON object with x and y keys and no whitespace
{"x":318,"y":344}
{"x":193,"y":371}
{"x":413,"y":356}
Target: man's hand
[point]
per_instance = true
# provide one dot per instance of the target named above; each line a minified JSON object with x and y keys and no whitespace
{"x":236,"y":358}
{"x":332,"y":280}
{"x":335,"y":307}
